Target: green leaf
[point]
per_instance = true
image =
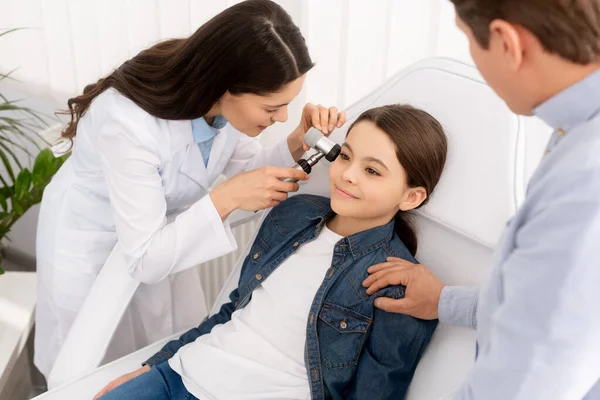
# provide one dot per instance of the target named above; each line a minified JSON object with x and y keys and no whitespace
{"x":3,"y":203}
{"x":7,"y":76}
{"x":22,"y":184}
{"x":9,"y":152}
{"x":6,"y":32}
{"x":20,"y":128}
{"x":7,"y":165}
{"x":14,"y":144}
{"x":43,"y":167}
{"x":18,"y":208}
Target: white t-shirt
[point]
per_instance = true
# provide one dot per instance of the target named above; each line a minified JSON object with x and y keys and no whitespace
{"x":259,"y":353}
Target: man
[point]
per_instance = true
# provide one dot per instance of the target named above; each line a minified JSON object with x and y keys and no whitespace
{"x":538,"y":318}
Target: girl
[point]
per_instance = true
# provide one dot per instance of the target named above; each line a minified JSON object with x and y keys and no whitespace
{"x":148,"y":141}
{"x":300,"y":325}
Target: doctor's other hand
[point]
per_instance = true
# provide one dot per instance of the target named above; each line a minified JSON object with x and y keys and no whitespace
{"x":255,"y":190}
{"x":423,"y":288}
{"x":322,"y":118}
{"x":121,"y":380}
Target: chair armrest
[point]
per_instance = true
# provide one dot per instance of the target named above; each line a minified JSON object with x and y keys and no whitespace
{"x":86,"y":386}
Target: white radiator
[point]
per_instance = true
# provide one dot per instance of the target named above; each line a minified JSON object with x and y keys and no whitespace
{"x":213,"y":274}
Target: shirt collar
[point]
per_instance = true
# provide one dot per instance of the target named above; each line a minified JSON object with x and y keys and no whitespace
{"x":573,"y":106}
{"x":203,"y":132}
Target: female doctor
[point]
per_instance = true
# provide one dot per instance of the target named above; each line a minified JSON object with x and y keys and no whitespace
{"x":148,"y":140}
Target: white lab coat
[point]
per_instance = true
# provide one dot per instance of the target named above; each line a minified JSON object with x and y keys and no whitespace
{"x":142,"y":181}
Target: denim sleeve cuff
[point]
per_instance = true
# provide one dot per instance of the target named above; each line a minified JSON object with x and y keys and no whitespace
{"x":158,"y":358}
{"x":458,"y":306}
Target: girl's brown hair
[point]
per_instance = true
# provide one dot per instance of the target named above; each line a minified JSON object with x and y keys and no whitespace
{"x":421,"y":148}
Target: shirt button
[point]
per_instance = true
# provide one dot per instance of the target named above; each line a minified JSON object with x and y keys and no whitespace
{"x":258,"y":277}
{"x":296,"y":244}
{"x":255,"y":256}
{"x":343,"y":324}
{"x":560,"y":132}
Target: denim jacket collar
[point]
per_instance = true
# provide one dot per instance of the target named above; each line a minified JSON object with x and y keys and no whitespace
{"x":360,"y":243}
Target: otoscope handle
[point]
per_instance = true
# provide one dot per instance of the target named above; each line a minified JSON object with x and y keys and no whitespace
{"x":302,"y":165}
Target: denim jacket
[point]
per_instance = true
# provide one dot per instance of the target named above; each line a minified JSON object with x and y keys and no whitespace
{"x":353,"y":350}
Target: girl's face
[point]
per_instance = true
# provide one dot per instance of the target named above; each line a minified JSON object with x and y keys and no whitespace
{"x":367,"y":182}
{"x":251,"y":113}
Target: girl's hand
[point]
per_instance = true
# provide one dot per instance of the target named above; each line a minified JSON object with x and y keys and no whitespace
{"x":121,"y":380}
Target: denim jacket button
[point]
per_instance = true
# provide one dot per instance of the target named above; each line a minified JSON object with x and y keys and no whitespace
{"x":343,"y":324}
{"x":255,"y":256}
{"x":296,"y":244}
{"x":258,"y":277}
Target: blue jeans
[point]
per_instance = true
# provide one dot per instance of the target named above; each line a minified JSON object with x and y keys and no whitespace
{"x":161,"y":383}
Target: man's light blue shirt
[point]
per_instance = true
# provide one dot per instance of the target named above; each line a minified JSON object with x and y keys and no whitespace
{"x":538,"y":318}
{"x":204,"y":134}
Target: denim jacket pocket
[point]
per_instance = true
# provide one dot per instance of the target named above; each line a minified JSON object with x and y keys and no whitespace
{"x":341,"y":334}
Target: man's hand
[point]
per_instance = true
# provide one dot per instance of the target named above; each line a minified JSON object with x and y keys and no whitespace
{"x":423,"y":288}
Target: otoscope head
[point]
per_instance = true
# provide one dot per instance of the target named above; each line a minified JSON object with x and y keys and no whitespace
{"x":323,"y":144}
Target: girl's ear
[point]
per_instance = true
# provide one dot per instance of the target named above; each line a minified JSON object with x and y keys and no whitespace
{"x":413,"y":197}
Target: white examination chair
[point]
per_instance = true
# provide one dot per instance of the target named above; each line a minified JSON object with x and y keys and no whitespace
{"x":490,"y":160}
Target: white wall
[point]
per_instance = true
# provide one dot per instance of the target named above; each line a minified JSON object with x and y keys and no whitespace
{"x":356,"y":44}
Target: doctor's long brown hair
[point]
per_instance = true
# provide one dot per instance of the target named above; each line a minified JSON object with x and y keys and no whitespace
{"x":421,"y":147}
{"x":251,"y":47}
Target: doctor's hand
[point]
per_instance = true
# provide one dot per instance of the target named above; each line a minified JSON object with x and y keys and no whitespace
{"x":322,"y":118}
{"x":255,"y":190}
{"x":121,"y":380}
{"x":423,"y":288}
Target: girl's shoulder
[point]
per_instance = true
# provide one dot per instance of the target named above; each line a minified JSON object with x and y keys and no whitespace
{"x":305,"y":205}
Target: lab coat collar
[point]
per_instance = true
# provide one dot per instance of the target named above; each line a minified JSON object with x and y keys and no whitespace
{"x":182,"y":139}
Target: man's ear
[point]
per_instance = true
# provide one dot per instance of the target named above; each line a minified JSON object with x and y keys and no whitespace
{"x":505,"y":37}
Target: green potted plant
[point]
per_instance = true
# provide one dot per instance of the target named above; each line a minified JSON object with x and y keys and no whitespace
{"x":21,"y":183}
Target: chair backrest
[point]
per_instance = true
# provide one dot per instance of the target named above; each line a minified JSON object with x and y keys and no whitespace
{"x":483,"y":183}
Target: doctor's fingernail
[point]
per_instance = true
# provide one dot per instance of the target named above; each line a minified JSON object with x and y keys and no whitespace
{"x":331,"y":127}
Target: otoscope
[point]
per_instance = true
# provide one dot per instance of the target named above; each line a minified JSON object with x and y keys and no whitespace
{"x":325,"y":148}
